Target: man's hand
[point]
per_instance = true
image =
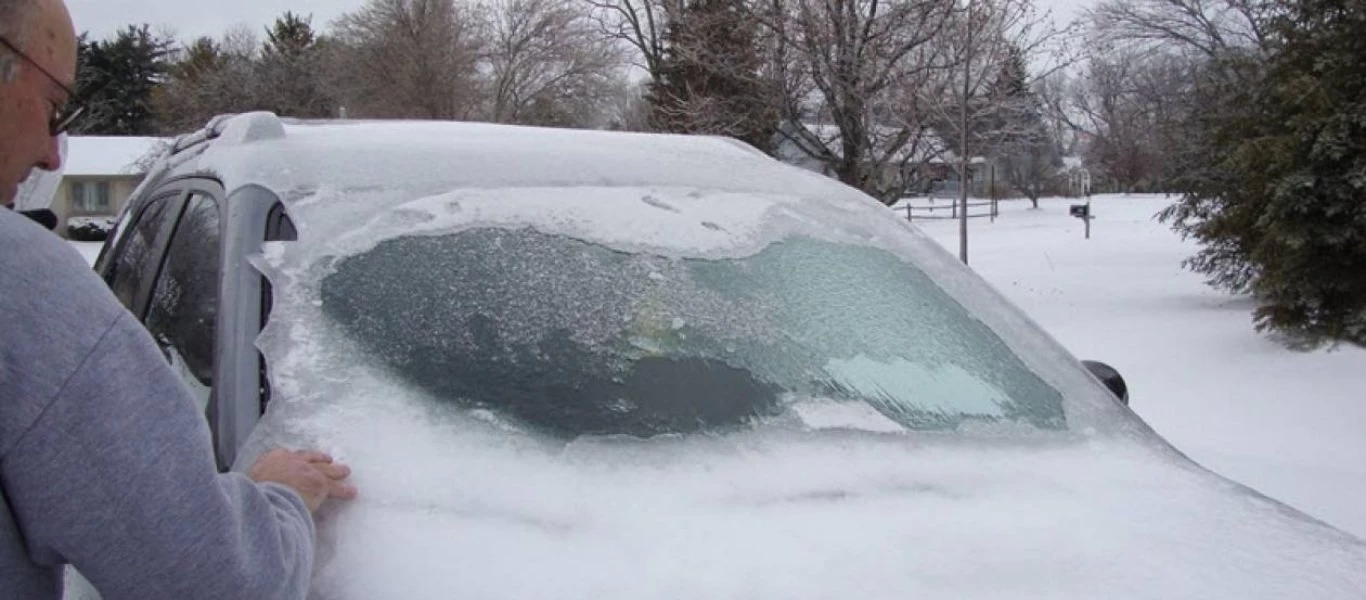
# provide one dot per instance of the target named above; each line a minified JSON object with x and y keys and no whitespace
{"x":312,"y":474}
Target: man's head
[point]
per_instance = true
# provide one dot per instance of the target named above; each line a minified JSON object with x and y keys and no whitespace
{"x":35,"y":76}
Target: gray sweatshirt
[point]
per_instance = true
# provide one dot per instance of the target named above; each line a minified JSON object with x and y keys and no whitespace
{"x":105,"y":461}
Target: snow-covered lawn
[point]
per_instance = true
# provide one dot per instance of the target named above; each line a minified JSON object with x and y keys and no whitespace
{"x":89,"y":250}
{"x":1289,"y":424}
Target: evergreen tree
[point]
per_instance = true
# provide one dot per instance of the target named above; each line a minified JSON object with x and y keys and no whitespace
{"x":291,"y":69}
{"x":205,"y":80}
{"x":710,"y":78}
{"x":1276,"y":187}
{"x":117,"y":79}
{"x":1025,"y":152}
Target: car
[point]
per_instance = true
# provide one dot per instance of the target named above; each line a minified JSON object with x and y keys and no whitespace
{"x":589,"y":364}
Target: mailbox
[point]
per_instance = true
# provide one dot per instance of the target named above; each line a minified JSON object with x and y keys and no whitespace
{"x":1081,"y":211}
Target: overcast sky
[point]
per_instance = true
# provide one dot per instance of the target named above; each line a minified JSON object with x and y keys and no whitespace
{"x":192,"y":18}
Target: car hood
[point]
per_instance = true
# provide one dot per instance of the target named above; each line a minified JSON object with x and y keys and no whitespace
{"x":468,"y":512}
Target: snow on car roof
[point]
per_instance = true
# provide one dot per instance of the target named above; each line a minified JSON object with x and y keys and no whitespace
{"x":432,"y":157}
{"x":669,"y":193}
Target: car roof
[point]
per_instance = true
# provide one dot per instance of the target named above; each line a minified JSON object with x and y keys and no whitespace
{"x":295,"y":157}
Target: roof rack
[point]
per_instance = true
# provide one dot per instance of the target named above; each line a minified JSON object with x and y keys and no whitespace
{"x":236,"y":128}
{"x":248,"y":127}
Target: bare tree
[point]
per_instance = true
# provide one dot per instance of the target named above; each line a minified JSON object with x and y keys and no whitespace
{"x":640,"y":24}
{"x":985,"y":35}
{"x":1209,"y":27}
{"x":1054,"y":94}
{"x":409,"y":58}
{"x":1114,"y":119}
{"x":858,"y":55}
{"x":1135,"y":102}
{"x":1131,"y":106}
{"x":549,"y":64}
{"x":628,"y":108}
{"x":208,"y":78}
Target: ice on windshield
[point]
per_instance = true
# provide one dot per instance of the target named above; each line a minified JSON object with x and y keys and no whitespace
{"x":573,"y":338}
{"x":588,"y":310}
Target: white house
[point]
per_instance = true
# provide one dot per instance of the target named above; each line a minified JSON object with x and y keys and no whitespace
{"x":97,"y":176}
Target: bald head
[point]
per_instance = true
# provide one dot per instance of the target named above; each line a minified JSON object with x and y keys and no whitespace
{"x":13,"y":13}
{"x":49,"y":37}
{"x":36,"y":86}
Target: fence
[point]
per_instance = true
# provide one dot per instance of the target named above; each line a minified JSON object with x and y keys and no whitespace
{"x":941,"y":208}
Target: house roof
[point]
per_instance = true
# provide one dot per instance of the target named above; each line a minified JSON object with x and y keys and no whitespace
{"x":88,"y":156}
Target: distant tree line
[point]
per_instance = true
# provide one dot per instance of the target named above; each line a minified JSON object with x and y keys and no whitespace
{"x":874,"y":90}
{"x":538,"y":62}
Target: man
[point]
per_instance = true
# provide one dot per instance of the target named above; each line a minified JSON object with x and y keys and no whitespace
{"x":105,"y":463}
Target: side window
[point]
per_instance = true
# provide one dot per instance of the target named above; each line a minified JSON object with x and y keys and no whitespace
{"x":183,"y":309}
{"x":136,"y":260}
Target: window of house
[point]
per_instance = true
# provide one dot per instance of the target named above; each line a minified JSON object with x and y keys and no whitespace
{"x":90,"y":197}
{"x":184,"y":306}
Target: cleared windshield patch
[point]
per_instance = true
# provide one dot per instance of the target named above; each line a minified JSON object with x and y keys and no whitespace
{"x":949,"y":391}
{"x":571,"y":338}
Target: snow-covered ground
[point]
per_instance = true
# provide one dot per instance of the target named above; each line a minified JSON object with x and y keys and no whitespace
{"x":89,"y":250}
{"x":1289,"y":424}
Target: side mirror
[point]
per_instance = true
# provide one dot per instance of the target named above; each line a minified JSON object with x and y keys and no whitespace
{"x":1110,"y":377}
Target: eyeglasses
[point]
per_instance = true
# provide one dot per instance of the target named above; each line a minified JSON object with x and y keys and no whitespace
{"x":63,"y":117}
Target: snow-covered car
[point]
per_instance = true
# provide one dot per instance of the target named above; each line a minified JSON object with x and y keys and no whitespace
{"x":88,"y":229}
{"x":579,"y":364}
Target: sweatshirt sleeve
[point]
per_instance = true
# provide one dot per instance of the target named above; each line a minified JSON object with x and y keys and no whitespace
{"x":117,"y":478}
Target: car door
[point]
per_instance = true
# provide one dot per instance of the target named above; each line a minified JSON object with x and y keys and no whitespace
{"x":198,"y":295}
{"x":164,"y":267}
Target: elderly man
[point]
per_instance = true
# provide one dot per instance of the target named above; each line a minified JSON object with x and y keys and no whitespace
{"x":105,"y":463}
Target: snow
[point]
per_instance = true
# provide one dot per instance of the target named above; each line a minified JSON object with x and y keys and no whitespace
{"x":91,"y":156}
{"x":772,"y":518}
{"x":89,"y":250}
{"x":37,"y":190}
{"x":413,"y":160}
{"x":468,"y":504}
{"x":1289,"y":424}
{"x":463,"y":506}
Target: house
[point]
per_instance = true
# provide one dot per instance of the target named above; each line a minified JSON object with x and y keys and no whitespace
{"x":99,"y":173}
{"x":923,"y":166}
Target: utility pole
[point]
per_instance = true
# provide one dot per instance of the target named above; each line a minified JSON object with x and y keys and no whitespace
{"x":964,"y":159}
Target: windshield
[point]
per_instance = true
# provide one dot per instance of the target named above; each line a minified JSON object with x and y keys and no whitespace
{"x":572,"y":338}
